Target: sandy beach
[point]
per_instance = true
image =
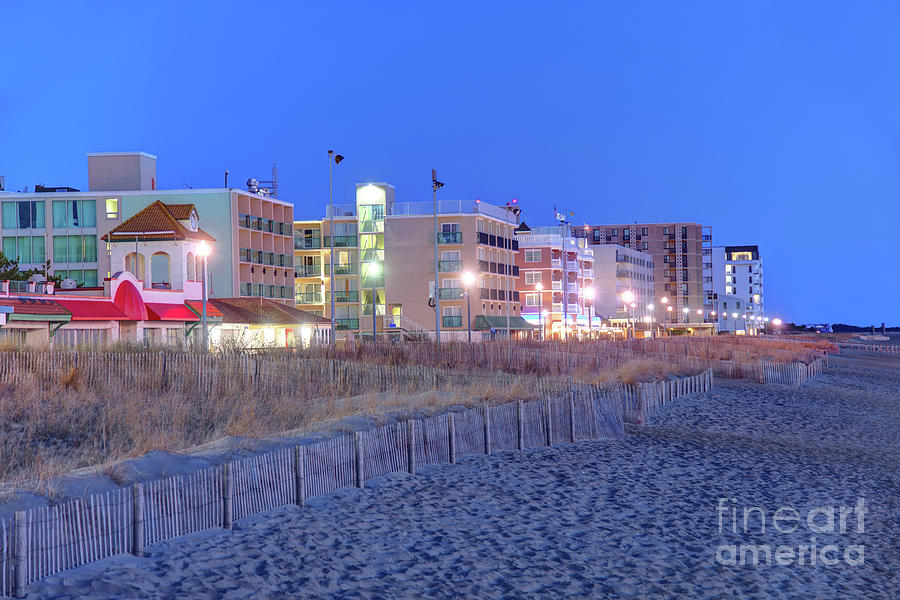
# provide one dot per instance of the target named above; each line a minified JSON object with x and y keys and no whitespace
{"x":638,"y":517}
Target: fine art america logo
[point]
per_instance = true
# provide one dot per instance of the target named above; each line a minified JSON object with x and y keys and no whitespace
{"x":786,"y":521}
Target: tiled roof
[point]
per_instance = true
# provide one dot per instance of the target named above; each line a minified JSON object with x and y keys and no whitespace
{"x":262,"y":311}
{"x":34,"y":306}
{"x":161,"y":219}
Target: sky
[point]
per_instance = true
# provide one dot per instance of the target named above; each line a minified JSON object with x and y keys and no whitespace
{"x":775,"y":123}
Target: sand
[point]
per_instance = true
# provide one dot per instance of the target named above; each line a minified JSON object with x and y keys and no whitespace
{"x":627,"y":518}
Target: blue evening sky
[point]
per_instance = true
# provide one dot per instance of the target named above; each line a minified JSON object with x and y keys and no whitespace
{"x":776,"y":123}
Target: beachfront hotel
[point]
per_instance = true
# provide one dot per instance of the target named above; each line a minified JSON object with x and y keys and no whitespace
{"x":738,"y":289}
{"x":620,"y":269}
{"x":254,"y":232}
{"x":556,"y":281}
{"x":682,"y":263}
{"x":384,"y":266}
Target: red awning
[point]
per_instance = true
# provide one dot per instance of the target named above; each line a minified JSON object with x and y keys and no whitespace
{"x":170,"y":312}
{"x":211,"y":311}
{"x":92,"y":310}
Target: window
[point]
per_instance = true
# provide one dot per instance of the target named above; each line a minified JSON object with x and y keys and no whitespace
{"x":665,"y":231}
{"x":626,"y":234}
{"x":449,"y":227}
{"x":643,"y":231}
{"x":532,"y":299}
{"x":60,"y":253}
{"x":112,"y":208}
{"x":615,"y":232}
{"x":532,"y":277}
{"x":644,"y":246}
{"x":90,"y":248}
{"x":533,"y":255}
{"x":28,"y":214}
{"x":684,"y":232}
{"x":596,"y":235}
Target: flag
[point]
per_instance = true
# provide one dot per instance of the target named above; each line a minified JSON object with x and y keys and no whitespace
{"x":559,"y":216}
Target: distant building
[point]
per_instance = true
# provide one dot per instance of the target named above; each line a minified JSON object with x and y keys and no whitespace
{"x":682,"y":266}
{"x":555,"y":270}
{"x":254,"y":254}
{"x":738,"y":288}
{"x":260,"y":322}
{"x":619,"y":269}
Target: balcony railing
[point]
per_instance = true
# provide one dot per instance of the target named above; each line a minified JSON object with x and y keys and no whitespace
{"x":308,"y":298}
{"x":556,"y":262}
{"x":449,"y":266}
{"x":449,"y":237}
{"x":342,"y":241}
{"x":451,"y":321}
{"x":308,"y":270}
{"x":307,"y":243}
{"x":345,"y":324}
{"x":343,"y":296}
{"x":345,"y":269}
{"x":450,"y":293}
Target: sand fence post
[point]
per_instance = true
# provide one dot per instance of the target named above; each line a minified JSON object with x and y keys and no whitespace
{"x":357,"y":448}
{"x":451,"y":437}
{"x":137,"y":519}
{"x":299,"y":475}
{"x":572,"y":416}
{"x":549,"y":421}
{"x":21,"y":553}
{"x":520,"y":424}
{"x":411,"y":446}
{"x":486,"y":410}
{"x":227,"y":497}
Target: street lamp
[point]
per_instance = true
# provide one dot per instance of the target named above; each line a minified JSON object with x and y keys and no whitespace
{"x":540,"y":290}
{"x":468,"y":279}
{"x":627,"y":299}
{"x":589,"y":295}
{"x":777,"y":324}
{"x":333,"y":159}
{"x":203,"y":251}
{"x":435,"y":186}
{"x":374,"y":270}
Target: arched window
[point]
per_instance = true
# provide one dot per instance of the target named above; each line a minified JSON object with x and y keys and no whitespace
{"x":134,"y":264}
{"x":159,"y":271}
{"x":191,"y":267}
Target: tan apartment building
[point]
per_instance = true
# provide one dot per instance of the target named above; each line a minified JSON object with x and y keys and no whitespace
{"x":384,"y":266}
{"x":556,"y":281}
{"x":619,"y":269}
{"x":682,"y":263}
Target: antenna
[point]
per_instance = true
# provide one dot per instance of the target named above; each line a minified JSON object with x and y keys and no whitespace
{"x":271,"y":184}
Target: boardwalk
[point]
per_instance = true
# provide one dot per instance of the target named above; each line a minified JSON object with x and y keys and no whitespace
{"x":615,"y":518}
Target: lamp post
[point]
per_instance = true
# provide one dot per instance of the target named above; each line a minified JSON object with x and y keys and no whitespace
{"x":540,"y":290}
{"x":203,"y":250}
{"x":333,"y":159}
{"x":435,"y":186}
{"x":589,"y":296}
{"x":650,"y":314}
{"x":627,"y":299}
{"x":777,"y":324}
{"x":468,"y":279}
{"x":633,"y":320}
{"x":374,"y":270}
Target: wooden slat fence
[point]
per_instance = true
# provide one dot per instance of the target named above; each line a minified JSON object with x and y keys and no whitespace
{"x":887,"y":348}
{"x":792,"y":374}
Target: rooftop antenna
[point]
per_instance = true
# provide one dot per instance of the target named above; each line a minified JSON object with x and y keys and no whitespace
{"x":271,"y":184}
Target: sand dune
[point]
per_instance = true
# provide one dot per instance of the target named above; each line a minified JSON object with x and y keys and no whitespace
{"x":628,"y":518}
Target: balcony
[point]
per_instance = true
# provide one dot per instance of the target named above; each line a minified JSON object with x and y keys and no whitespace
{"x":556,"y":263}
{"x":307,"y":243}
{"x":451,"y":321}
{"x":484,"y":293}
{"x":449,"y":266}
{"x":450,"y":293}
{"x":345,"y":324}
{"x":342,"y":241}
{"x":308,"y":298}
{"x":449,"y":237}
{"x":343,"y":296}
{"x":484,"y":266}
{"x":308,"y":270}
{"x":556,"y":285}
{"x":342,"y":269}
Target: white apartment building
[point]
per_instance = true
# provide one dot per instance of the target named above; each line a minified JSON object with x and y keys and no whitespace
{"x":738,"y":289}
{"x":618,"y":269}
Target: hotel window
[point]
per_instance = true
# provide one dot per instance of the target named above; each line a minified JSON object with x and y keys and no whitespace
{"x":615,"y":232}
{"x":533,"y":255}
{"x":532,"y":277}
{"x":532,"y":299}
{"x":665,"y":231}
{"x":684,"y":232}
{"x":596,"y":235}
{"x":626,"y":234}
{"x":28,"y":214}
{"x":643,"y":231}
{"x":449,"y":227}
{"x":644,"y":246}
{"x":112,"y":208}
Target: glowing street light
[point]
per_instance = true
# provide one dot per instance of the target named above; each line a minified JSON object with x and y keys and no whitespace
{"x":203,"y":251}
